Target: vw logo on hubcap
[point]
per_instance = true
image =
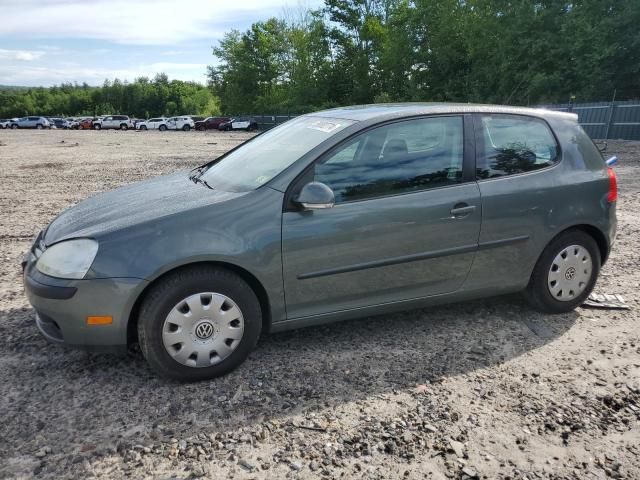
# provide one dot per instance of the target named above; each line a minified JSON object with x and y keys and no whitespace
{"x":204,"y":330}
{"x":570,"y":273}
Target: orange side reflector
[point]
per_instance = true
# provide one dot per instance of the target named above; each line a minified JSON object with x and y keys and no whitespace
{"x":99,"y":320}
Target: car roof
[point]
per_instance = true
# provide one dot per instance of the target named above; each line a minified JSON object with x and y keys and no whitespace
{"x":383,"y":111}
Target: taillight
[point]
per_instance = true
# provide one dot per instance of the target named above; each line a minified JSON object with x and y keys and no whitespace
{"x":612,"y":196}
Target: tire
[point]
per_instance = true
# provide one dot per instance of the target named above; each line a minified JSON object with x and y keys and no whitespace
{"x":186,"y":128}
{"x":164,"y":299}
{"x":143,"y":127}
{"x":14,"y":126}
{"x":563,"y":275}
{"x":123,"y":126}
{"x":97,"y":126}
{"x":39,"y":127}
{"x":162,"y":128}
{"x":200,"y":129}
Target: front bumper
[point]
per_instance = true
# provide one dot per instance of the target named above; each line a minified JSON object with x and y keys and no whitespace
{"x":62,"y":307}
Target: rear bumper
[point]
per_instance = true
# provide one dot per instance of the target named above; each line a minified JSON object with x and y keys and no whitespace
{"x":62,"y":307}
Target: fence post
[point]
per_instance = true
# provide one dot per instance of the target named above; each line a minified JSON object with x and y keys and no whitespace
{"x":612,"y":106}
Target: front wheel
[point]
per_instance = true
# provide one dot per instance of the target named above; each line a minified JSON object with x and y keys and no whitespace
{"x":39,"y":127}
{"x":14,"y":127}
{"x":162,"y":128}
{"x":97,"y":126}
{"x":199,"y":323}
{"x":565,"y":273}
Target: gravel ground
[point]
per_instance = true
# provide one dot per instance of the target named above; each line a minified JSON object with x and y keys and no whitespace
{"x":486,"y":389}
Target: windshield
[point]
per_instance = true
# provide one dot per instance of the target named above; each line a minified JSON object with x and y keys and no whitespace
{"x":255,"y":163}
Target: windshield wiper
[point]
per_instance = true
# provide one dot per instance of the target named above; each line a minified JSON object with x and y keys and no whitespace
{"x":196,"y":175}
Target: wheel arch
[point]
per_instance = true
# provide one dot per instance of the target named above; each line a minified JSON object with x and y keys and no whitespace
{"x":598,"y":236}
{"x":252,"y":280}
{"x":591,"y":230}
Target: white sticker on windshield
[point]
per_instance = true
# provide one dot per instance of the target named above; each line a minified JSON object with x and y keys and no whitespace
{"x":324,"y":126}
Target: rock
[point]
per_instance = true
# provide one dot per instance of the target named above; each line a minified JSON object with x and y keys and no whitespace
{"x":182,"y":445}
{"x":198,"y":471}
{"x":295,"y":466}
{"x":41,"y":453}
{"x":457,"y":448}
{"x":313,"y":466}
{"x":430,"y":428}
{"x":470,"y":472}
{"x":246,"y":465}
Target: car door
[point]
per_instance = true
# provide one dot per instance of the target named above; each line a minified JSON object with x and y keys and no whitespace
{"x":520,"y":191}
{"x":405,"y":223}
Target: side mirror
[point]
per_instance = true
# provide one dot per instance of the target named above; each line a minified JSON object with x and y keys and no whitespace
{"x":315,"y":195}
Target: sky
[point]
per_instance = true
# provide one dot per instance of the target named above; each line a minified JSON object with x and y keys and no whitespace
{"x":47,"y":42}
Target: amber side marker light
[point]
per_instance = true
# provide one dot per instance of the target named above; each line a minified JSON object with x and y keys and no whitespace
{"x":99,"y":320}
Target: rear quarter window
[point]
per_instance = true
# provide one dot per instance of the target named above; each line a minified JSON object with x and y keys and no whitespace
{"x":513,"y":144}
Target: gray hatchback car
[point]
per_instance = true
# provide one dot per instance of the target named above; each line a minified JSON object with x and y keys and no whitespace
{"x":338,"y":214}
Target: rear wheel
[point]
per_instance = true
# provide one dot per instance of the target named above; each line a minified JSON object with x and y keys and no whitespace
{"x":39,"y":126}
{"x":186,"y":128}
{"x":143,"y":127}
{"x":123,"y":126}
{"x":199,"y":323}
{"x":162,"y":128}
{"x":565,"y":274}
{"x":97,"y":126}
{"x":14,"y":126}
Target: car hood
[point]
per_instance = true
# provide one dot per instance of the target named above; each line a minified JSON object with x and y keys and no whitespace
{"x":133,"y":204}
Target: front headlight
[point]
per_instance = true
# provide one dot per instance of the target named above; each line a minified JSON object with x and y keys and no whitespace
{"x":69,"y":259}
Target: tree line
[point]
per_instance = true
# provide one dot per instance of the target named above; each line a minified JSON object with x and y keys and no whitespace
{"x":494,"y":51}
{"x":522,"y":52}
{"x":142,"y":98}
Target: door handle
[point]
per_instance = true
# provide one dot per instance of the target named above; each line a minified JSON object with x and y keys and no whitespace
{"x":460,"y":210}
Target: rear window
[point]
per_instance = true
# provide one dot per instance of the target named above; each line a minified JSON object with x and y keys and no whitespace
{"x":511,"y":144}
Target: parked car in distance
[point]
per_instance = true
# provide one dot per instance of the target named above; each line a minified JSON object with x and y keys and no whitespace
{"x":157,"y":123}
{"x":30,"y":122}
{"x":136,"y":121}
{"x":211,"y":123}
{"x":344,"y":213}
{"x":247,"y":124}
{"x":85,"y":123}
{"x":118,"y":122}
{"x":4,"y":123}
{"x":180,"y":123}
{"x":59,"y":123}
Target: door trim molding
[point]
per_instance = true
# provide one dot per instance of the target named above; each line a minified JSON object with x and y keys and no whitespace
{"x":389,"y":261}
{"x":502,"y":242}
{"x":413,"y":258}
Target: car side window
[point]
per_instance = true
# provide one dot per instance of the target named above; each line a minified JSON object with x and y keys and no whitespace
{"x":511,"y":144}
{"x":401,"y":157}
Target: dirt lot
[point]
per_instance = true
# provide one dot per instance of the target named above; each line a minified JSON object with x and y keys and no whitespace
{"x":488,"y":389}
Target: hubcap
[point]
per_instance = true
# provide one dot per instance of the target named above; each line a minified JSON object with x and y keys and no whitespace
{"x":570,"y":273}
{"x":203,"y":329}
